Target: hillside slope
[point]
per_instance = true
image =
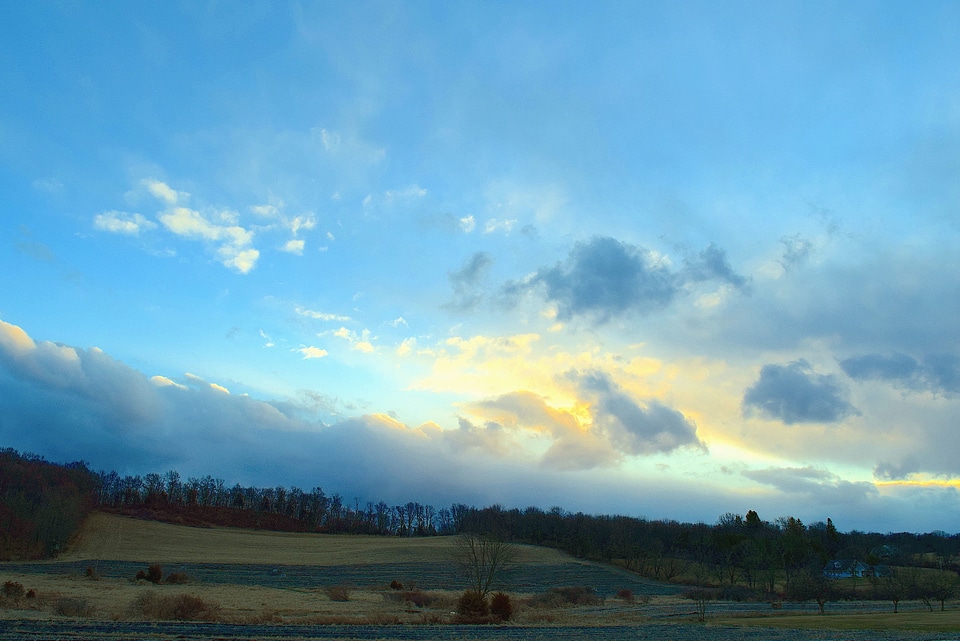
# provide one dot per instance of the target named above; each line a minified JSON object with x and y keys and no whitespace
{"x":107,"y":537}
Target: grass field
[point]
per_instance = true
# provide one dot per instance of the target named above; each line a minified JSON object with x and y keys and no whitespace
{"x":253,"y":576}
{"x":110,"y":537}
{"x":257,"y":577}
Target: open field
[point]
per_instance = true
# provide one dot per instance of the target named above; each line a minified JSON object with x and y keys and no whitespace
{"x":254,"y":584}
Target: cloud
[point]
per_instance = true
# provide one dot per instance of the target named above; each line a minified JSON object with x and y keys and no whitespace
{"x":467,"y":224}
{"x":467,"y":280}
{"x":635,"y":429}
{"x":164,"y":192}
{"x":491,"y":437}
{"x":794,"y":393}
{"x":604,"y":278}
{"x":494,"y":225}
{"x":605,"y":425}
{"x":49,"y":185}
{"x":233,"y":243}
{"x":890,"y":471}
{"x":310,"y":352}
{"x":119,"y":222}
{"x":938,"y":373}
{"x":407,"y":346}
{"x":796,"y":251}
{"x":72,"y":403}
{"x":411,"y":192}
{"x":711,"y":264}
{"x":572,"y":446}
{"x":323,"y":316}
{"x":359,"y":342}
{"x":818,"y":485}
{"x":294,"y":246}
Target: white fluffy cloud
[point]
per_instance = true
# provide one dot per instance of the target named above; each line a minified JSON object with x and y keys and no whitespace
{"x":120,"y":222}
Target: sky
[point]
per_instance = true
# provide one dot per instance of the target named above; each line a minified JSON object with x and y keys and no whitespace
{"x":662,"y":259}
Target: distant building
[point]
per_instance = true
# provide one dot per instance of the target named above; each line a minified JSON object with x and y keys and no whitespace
{"x":848,"y":568}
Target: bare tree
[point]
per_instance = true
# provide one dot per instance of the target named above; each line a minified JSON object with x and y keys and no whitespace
{"x":482,"y":559}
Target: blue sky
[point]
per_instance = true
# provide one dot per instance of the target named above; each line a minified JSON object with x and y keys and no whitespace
{"x":661,"y":259}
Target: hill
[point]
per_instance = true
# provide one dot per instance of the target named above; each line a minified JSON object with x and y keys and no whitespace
{"x":108,"y":537}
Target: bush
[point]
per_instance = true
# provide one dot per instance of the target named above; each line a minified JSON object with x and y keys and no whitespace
{"x":338,"y":593}
{"x":153,"y":574}
{"x":72,"y":607}
{"x":13,"y":590}
{"x":178,"y":578}
{"x":625,"y":594}
{"x":93,"y":574}
{"x":566,"y":596}
{"x":500,"y":606}
{"x":396,"y":585}
{"x":181,"y":607}
{"x":472,"y":605}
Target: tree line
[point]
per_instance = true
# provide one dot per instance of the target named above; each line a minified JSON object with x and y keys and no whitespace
{"x":42,"y":504}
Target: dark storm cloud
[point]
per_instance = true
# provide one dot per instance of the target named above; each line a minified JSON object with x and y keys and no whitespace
{"x":633,"y":428}
{"x":794,"y":393}
{"x":604,"y":277}
{"x":938,"y":373}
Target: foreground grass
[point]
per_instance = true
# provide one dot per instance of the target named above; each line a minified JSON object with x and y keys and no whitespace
{"x":106,"y":537}
{"x":915,"y":621}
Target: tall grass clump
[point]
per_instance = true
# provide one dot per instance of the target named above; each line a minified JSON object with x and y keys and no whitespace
{"x":180,"y":607}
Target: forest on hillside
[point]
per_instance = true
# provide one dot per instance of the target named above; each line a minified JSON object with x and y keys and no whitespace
{"x":43,"y":503}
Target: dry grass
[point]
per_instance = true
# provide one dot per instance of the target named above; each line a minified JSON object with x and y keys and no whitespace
{"x":108,"y":537}
{"x":919,"y":621}
{"x":117,"y":538}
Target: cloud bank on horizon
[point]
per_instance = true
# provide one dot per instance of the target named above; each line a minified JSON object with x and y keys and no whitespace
{"x":648,"y":261}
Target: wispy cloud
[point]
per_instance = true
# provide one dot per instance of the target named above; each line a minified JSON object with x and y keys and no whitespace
{"x":119,"y":222}
{"x":323,"y":316}
{"x":310,"y":352}
{"x":233,"y":244}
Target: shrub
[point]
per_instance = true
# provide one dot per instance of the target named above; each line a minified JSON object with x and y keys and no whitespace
{"x":626,"y":594}
{"x":472,"y":605}
{"x":31,"y":593}
{"x":154,"y":573}
{"x":178,"y":578}
{"x":338,"y":593}
{"x":93,"y":574}
{"x":73,"y":607}
{"x":13,"y":590}
{"x":396,"y":585}
{"x":566,"y":596}
{"x":501,"y":607}
{"x":181,"y":607}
